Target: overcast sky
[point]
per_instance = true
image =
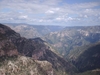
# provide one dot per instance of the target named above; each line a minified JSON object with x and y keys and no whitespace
{"x":51,"y":12}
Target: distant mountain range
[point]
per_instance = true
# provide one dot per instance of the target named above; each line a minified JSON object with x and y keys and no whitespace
{"x":71,"y":38}
{"x":33,"y":31}
{"x":80,"y":47}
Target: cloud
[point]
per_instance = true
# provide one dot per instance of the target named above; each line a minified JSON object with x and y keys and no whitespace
{"x":23,"y":17}
{"x":59,"y":19}
{"x":52,"y":10}
{"x":49,"y":11}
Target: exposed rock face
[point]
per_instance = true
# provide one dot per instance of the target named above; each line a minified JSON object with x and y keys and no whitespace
{"x":34,"y":48}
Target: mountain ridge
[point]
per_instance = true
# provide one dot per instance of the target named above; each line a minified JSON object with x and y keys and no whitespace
{"x":36,"y":49}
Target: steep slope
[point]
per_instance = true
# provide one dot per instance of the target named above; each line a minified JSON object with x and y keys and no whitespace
{"x":37,"y":49}
{"x":72,"y":37}
{"x":86,"y":59}
{"x":89,"y":59}
{"x":6,"y":45}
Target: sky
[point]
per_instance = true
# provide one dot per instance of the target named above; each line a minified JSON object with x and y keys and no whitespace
{"x":51,"y":12}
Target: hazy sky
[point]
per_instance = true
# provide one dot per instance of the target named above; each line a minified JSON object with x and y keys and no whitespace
{"x":50,"y":12}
